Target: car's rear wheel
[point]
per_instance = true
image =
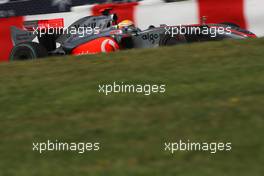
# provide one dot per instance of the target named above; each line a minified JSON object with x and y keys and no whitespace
{"x":168,"y":40}
{"x":28,"y":51}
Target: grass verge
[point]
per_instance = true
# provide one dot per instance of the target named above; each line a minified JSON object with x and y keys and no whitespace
{"x":214,"y":93}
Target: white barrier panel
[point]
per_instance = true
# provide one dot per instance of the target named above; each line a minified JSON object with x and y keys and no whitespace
{"x":185,"y":12}
{"x":254,"y":13}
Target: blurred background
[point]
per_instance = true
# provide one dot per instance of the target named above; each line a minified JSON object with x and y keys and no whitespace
{"x":248,"y":14}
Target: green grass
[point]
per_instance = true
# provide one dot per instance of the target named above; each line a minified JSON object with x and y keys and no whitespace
{"x":214,"y":93}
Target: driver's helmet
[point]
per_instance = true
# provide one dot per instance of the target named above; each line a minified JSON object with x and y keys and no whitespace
{"x":125,"y":24}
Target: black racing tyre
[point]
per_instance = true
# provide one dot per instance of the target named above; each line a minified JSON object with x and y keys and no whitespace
{"x":28,"y":51}
{"x":231,"y":24}
{"x":168,"y":40}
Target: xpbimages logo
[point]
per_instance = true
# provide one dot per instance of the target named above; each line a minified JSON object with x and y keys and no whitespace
{"x":146,"y":89}
{"x":212,"y":147}
{"x":212,"y":31}
{"x":80,"y":147}
{"x":72,"y":30}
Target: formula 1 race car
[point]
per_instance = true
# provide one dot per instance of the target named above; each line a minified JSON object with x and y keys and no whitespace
{"x":96,"y":34}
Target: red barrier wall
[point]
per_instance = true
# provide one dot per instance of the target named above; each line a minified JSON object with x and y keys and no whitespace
{"x":223,"y":11}
{"x":124,"y":11}
{"x":5,"y":35}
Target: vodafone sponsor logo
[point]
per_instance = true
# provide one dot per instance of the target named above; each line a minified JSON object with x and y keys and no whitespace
{"x":108,"y":46}
{"x":99,"y":45}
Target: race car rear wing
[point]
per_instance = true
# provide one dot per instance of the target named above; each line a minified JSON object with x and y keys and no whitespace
{"x":32,"y":29}
{"x":20,"y":35}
